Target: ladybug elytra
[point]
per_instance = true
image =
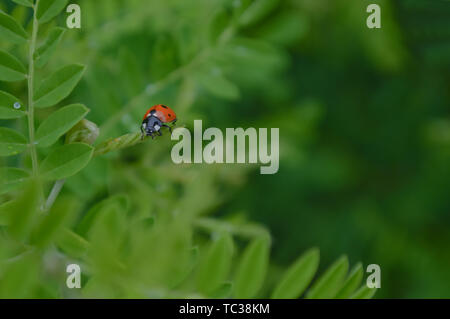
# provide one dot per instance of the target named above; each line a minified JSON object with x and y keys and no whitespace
{"x":155,"y":118}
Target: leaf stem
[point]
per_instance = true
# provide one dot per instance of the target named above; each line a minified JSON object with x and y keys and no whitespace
{"x":54,"y":194}
{"x":118,"y":143}
{"x":34,"y":158}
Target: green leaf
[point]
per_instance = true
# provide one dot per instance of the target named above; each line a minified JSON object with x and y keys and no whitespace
{"x":72,"y":243}
{"x":11,"y":142}
{"x":298,"y":276}
{"x":252,"y":268}
{"x":21,"y":211}
{"x":58,"y":123}
{"x":66,"y":161}
{"x":58,"y":86}
{"x":106,"y":236}
{"x":11,"y":30}
{"x":331,"y":281}
{"x":215,"y":83}
{"x":43,"y":54}
{"x":119,"y":201}
{"x":351,"y":283}
{"x":48,"y":9}
{"x":11,"y":178}
{"x":11,"y":69}
{"x":215,"y":265}
{"x":53,"y":224}
{"x":7,"y":109}
{"x":27,"y":3}
{"x":364,"y":293}
{"x":192,"y":263}
{"x":256,"y":11}
{"x":20,"y":276}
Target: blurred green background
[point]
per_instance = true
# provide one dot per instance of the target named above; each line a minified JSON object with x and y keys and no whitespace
{"x":363,"y":117}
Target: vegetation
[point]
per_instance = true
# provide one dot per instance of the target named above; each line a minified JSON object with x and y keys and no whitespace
{"x":362,"y":133}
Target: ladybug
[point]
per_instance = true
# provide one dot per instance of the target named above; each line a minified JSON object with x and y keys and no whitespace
{"x":155,"y":118}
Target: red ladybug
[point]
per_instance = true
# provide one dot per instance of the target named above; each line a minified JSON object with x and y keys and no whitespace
{"x":155,"y":118}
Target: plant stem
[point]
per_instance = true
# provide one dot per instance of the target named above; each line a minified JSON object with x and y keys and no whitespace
{"x":54,"y":194}
{"x":34,"y":159}
{"x":118,"y":143}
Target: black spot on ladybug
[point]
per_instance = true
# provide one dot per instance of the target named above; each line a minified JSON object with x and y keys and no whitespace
{"x":170,"y":115}
{"x":164,"y":106}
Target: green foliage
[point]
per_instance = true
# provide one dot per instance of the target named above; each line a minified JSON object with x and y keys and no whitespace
{"x":50,"y":227}
{"x":7,"y":110}
{"x":45,"y":51}
{"x":21,"y":212}
{"x":351,"y":283}
{"x":215,"y":83}
{"x":58,"y":85}
{"x":12,"y":178}
{"x":138,"y":225}
{"x":66,"y":161}
{"x":298,"y":276}
{"x":11,"y":69}
{"x":252,"y":268}
{"x":27,"y":3}
{"x":214,"y":268}
{"x":58,"y":123}
{"x":329,"y":283}
{"x":11,"y":30}
{"x":11,"y":142}
{"x":48,"y":9}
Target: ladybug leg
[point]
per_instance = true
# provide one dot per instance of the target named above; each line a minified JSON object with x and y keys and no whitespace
{"x":142,"y":133}
{"x":170,"y":129}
